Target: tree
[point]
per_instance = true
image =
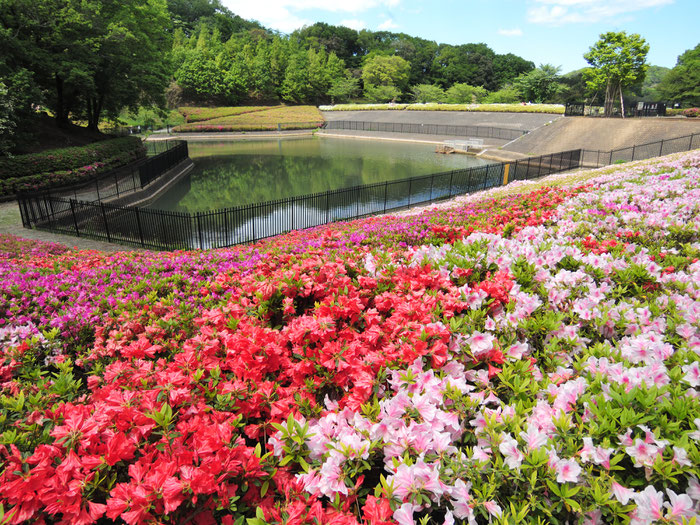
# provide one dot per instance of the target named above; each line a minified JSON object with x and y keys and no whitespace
{"x":682,"y":84}
{"x":461,"y":93}
{"x":506,"y":95}
{"x":95,"y":56}
{"x":539,"y":85}
{"x":469,"y":63}
{"x":386,"y":71}
{"x":617,"y":60}
{"x":343,"y":89}
{"x":381,"y":93}
{"x":428,"y":93}
{"x":508,"y":67}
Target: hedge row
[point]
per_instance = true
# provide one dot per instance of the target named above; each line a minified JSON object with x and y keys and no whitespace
{"x":65,"y":159}
{"x":499,"y":108}
{"x":57,"y":178}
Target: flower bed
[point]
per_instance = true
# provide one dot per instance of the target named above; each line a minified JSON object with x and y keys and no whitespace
{"x":66,"y":166}
{"x":499,"y":108}
{"x":533,"y":357}
{"x":255,"y":119}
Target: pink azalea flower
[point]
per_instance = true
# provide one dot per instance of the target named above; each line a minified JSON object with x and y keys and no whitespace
{"x":622,"y":494}
{"x":567,"y":470}
{"x":680,"y":506}
{"x":404,"y":514}
{"x":493,"y":508}
{"x":649,"y":504}
{"x":509,"y":449}
{"x":533,"y":437}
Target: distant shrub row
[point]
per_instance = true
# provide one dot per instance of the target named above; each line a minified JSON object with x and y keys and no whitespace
{"x":199,"y":114}
{"x":108,"y":152}
{"x":194,"y":128}
{"x":66,"y":166}
{"x":502,"y":108}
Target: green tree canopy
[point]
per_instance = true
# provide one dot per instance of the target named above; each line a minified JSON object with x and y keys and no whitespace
{"x":95,"y":56}
{"x":682,"y":84}
{"x":386,"y":71}
{"x":539,"y":85}
{"x":428,"y":93}
{"x":617,"y":60}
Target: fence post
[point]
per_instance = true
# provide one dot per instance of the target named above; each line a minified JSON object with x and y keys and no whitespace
{"x":199,"y":230}
{"x":138,"y":224}
{"x":506,"y":169}
{"x":291,"y":212}
{"x":431,"y":187}
{"x":634,"y":147}
{"x":452,"y":174}
{"x":386,"y":185}
{"x":104,"y":218}
{"x":410,"y":184}
{"x":328,"y":209}
{"x":75,"y":220}
{"x":661,"y":148}
{"x":690,"y":143}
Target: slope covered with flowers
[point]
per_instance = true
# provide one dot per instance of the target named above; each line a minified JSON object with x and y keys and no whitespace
{"x":532,"y":358}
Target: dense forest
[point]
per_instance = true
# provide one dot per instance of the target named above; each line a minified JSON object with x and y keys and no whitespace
{"x":85,"y":61}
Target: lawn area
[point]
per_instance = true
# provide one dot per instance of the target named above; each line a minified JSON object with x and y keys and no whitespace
{"x":502,"y":108}
{"x":522,"y":357}
{"x":250,"y":118}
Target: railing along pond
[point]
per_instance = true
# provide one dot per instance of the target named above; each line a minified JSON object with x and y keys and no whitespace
{"x":167,"y":230}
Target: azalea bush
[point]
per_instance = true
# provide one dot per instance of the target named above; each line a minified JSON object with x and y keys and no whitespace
{"x":528,"y":358}
{"x":66,"y":159}
{"x":508,"y":108}
{"x":251,"y":118}
{"x":67,"y":166}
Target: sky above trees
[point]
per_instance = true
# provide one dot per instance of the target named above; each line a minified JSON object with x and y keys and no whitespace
{"x":554,"y":32}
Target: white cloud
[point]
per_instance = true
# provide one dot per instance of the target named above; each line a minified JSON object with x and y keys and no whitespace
{"x":510,"y":32}
{"x":353,"y":24}
{"x":559,"y":12}
{"x":387,"y":25}
{"x":284,"y":15}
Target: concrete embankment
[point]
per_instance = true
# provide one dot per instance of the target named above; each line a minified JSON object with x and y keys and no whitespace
{"x":600,"y":134}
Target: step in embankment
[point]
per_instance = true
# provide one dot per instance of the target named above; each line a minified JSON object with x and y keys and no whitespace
{"x":600,"y":134}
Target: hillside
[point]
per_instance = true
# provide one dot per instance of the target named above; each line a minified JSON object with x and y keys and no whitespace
{"x":531,"y":357}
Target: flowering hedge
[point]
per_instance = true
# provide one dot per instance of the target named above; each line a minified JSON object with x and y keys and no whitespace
{"x":434,"y":106}
{"x":66,"y":166}
{"x":69,"y":158}
{"x":532,"y":358}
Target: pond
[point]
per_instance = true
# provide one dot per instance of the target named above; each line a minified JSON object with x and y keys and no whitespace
{"x":235,"y":173}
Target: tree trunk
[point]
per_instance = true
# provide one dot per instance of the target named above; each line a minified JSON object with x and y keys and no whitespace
{"x":61,"y":113}
{"x":94,"y":109}
{"x":622,"y":102}
{"x":609,"y":98}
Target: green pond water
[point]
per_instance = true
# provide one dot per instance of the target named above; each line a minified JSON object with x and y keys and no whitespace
{"x":234,"y":173}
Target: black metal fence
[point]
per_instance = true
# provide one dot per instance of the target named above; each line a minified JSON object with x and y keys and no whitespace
{"x":428,"y":129}
{"x":632,"y":110}
{"x":641,"y":151}
{"x":165,"y":230}
{"x":126,"y":180}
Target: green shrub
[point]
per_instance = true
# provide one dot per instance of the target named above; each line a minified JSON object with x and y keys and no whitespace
{"x":428,"y":93}
{"x":381,"y":93}
{"x":111,"y":153}
{"x":465,"y":94}
{"x":506,"y":95}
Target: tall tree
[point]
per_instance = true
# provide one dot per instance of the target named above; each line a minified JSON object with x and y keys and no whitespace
{"x":386,"y":71}
{"x":539,"y":85}
{"x":96,"y":56}
{"x":617,"y":60}
{"x":682,"y":84}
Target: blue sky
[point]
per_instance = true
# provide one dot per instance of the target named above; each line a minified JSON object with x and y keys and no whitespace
{"x":556,"y":32}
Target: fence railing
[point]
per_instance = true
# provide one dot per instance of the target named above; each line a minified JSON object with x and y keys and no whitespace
{"x":164,"y":230}
{"x":641,"y":109}
{"x":123,"y":181}
{"x":640,"y":151}
{"x":428,"y":129}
